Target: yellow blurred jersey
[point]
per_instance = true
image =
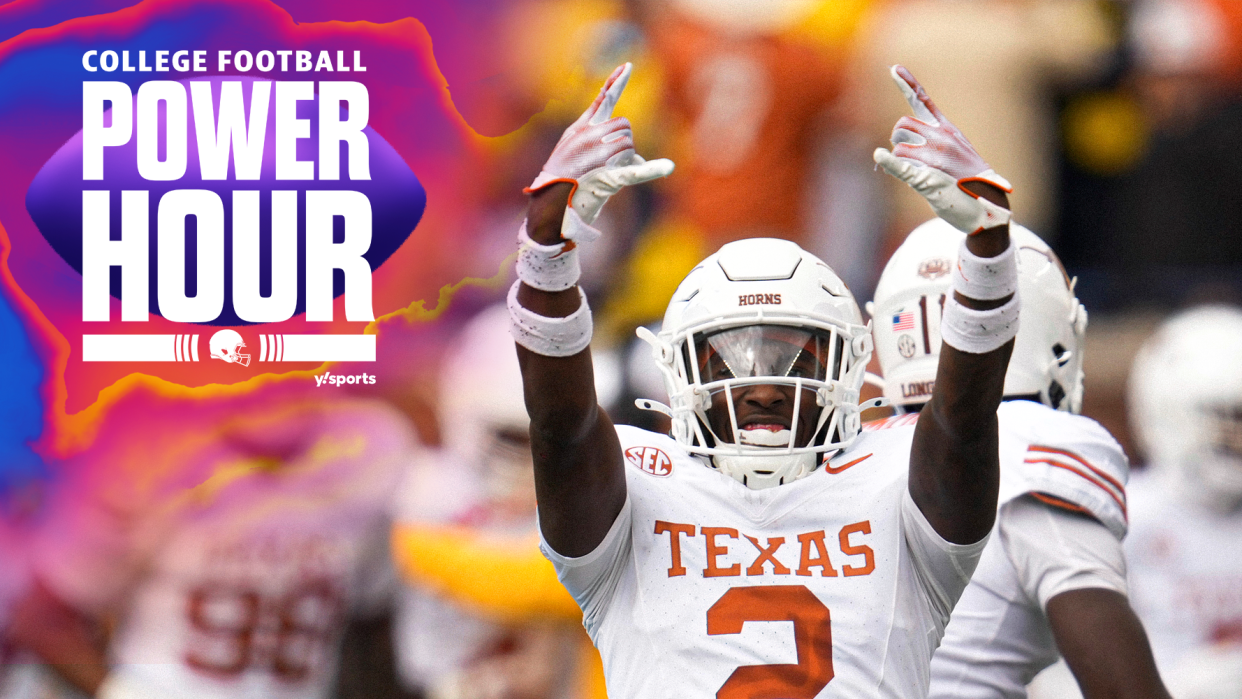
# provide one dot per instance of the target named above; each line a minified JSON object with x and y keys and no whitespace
{"x":491,"y":575}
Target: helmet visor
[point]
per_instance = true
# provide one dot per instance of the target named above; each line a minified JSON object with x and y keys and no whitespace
{"x":768,"y":350}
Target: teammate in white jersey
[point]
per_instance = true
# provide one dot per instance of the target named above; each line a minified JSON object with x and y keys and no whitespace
{"x":481,"y":481}
{"x":1186,"y":508}
{"x":228,"y":552}
{"x":1053,"y":574}
{"x":766,"y":548}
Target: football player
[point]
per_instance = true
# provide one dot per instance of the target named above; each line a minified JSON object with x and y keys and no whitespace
{"x":480,"y":485}
{"x":1185,"y":403}
{"x":766,"y":503}
{"x":217,"y":557}
{"x":1053,"y":574}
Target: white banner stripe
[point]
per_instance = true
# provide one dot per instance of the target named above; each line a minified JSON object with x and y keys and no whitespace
{"x":184,"y":348}
{"x":327,"y":348}
{"x":129,"y":348}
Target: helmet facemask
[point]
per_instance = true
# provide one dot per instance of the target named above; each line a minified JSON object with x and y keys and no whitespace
{"x":766,"y":401}
{"x":507,"y":469}
{"x":1218,"y":462}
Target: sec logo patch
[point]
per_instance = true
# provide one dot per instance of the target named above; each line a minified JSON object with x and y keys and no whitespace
{"x":650,"y":460}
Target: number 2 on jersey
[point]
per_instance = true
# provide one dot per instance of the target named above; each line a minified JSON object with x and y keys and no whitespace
{"x":812,"y":637}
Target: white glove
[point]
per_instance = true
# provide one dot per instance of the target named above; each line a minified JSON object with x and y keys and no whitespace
{"x":935,"y":159}
{"x":596,"y":154}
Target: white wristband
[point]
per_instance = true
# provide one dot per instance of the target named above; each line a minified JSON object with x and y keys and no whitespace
{"x":986,"y":278}
{"x":551,"y":337}
{"x":978,"y":332}
{"x":554,"y":267}
{"x":546,"y":267}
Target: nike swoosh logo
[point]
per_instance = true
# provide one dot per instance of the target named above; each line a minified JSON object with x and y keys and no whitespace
{"x":842,"y":467}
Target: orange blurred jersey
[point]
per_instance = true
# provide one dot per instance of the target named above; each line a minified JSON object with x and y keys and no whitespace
{"x":745,"y":114}
{"x":1229,"y":65}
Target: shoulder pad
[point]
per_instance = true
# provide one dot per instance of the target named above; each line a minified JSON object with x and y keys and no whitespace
{"x":1066,"y":461}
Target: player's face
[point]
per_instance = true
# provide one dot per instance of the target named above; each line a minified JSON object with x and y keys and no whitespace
{"x":782,"y":352}
{"x":1227,"y":426}
{"x":508,"y":472}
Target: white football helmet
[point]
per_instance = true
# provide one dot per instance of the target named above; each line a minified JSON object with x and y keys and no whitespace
{"x":226,"y":344}
{"x":1047,"y":354}
{"x":1185,"y":399}
{"x":762,"y":312}
{"x":482,"y":407}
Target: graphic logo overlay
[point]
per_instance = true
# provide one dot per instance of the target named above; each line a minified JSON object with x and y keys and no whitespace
{"x":650,"y":460}
{"x":935,"y":268}
{"x":225,"y":201}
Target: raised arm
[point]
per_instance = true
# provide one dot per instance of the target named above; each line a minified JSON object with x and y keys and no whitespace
{"x":954,"y":462}
{"x":579,"y":472}
{"x":1104,"y":644}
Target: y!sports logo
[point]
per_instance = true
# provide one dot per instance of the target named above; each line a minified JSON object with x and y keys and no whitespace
{"x":225,"y":201}
{"x":329,"y":379}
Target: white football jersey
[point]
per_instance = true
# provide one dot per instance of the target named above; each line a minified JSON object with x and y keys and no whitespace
{"x":999,"y":637}
{"x":834,"y":585}
{"x":1185,"y":570}
{"x":230,"y":578}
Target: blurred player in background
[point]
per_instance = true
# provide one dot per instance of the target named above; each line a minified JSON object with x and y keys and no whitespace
{"x":17,"y":674}
{"x":479,"y":486}
{"x":758,"y":114}
{"x":747,"y":91}
{"x":216,"y":556}
{"x":1053,"y":575}
{"x":764,"y":352}
{"x":1186,"y":511}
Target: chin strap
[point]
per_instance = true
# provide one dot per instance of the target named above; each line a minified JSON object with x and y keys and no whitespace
{"x":653,"y":406}
{"x":873,"y":403}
